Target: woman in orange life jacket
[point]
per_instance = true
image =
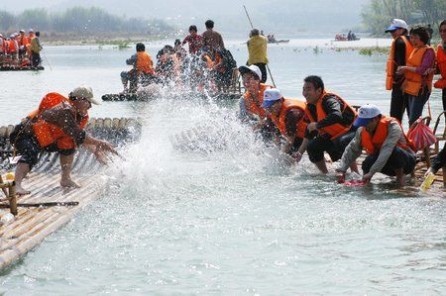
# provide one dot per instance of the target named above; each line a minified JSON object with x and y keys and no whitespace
{"x":441,"y":62}
{"x":331,"y":124}
{"x":417,"y":85}
{"x":142,"y":65}
{"x":57,"y":125}
{"x":288,"y":117}
{"x":251,"y":109}
{"x":389,"y":150}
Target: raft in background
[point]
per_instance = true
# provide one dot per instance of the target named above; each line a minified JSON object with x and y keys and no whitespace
{"x":187,"y":95}
{"x":17,"y":68}
{"x":32,"y":225}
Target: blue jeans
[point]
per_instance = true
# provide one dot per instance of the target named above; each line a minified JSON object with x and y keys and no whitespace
{"x":416,"y":104}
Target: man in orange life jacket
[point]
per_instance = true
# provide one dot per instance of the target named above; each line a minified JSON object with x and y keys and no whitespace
{"x":400,"y":51}
{"x":330,"y":128}
{"x":387,"y":147}
{"x":287,"y":115}
{"x":58,"y":125}
{"x":142,"y":65}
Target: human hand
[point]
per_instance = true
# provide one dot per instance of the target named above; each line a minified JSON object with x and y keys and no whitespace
{"x":428,"y":172}
{"x":400,"y":70}
{"x":367,"y":177}
{"x":312,"y":126}
{"x":297,"y":156}
{"x":340,"y":177}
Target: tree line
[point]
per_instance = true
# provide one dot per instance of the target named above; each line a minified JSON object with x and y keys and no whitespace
{"x":80,"y":20}
{"x":377,"y":15}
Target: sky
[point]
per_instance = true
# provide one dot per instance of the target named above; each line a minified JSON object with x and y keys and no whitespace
{"x":285,"y":18}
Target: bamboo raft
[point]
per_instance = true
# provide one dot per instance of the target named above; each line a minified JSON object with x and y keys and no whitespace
{"x":50,"y":206}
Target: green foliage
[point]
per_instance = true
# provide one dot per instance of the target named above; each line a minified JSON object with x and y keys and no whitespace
{"x":378,"y":14}
{"x":81,"y":20}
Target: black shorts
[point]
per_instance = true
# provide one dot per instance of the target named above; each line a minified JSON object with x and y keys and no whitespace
{"x":28,"y":147}
{"x":335,"y":148}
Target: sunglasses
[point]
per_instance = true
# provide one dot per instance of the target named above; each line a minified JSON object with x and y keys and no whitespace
{"x":74,"y":99}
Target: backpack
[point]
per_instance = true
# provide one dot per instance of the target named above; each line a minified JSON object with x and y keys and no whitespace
{"x":228,"y":60}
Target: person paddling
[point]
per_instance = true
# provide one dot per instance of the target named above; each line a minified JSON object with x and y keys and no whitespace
{"x":57,"y":126}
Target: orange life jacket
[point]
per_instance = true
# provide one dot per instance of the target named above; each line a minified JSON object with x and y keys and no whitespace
{"x":144,"y":63}
{"x":208,"y":60}
{"x":441,"y":63}
{"x":280,"y":120}
{"x":413,"y":81}
{"x":390,"y":69}
{"x":23,"y":41}
{"x":13,"y":46}
{"x":47,"y":133}
{"x":253,"y":107}
{"x":372,"y":144}
{"x":334,"y":130}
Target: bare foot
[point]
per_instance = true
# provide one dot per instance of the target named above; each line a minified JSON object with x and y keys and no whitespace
{"x":20,"y":191}
{"x":69,"y":183}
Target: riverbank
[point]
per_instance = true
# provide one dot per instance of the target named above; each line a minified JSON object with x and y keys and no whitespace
{"x":121,"y":40}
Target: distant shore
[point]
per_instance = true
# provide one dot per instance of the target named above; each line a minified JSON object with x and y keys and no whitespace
{"x":118,"y":39}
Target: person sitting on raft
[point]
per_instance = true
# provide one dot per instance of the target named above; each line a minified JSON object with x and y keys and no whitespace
{"x":57,"y":126}
{"x":330,"y":128}
{"x":142,"y":65}
{"x":288,"y":116}
{"x":389,"y":150}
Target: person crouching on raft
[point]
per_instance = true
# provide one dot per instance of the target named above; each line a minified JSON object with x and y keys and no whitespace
{"x":288,"y":116}
{"x":57,"y":126}
{"x":389,"y":150}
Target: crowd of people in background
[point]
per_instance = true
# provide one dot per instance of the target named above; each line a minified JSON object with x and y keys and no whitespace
{"x":20,"y":50}
{"x":206,"y":65}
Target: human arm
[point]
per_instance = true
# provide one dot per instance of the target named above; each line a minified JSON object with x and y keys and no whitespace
{"x":132,"y":60}
{"x":427,"y":64}
{"x":64,"y":118}
{"x":332,"y":108}
{"x":302,"y":148}
{"x":351,"y":153}
{"x":292,"y":120}
{"x":439,"y":161}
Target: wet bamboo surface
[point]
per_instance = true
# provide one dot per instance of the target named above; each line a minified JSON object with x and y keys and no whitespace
{"x":33,"y":224}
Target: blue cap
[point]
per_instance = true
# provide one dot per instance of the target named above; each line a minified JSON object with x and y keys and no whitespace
{"x":271,"y":96}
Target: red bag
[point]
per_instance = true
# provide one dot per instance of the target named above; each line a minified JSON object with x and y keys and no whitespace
{"x":421,"y":135}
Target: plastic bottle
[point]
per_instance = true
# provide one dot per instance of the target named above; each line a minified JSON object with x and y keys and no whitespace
{"x":427,"y":182}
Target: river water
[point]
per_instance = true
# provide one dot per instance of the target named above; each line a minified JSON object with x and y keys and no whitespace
{"x":215,"y":211}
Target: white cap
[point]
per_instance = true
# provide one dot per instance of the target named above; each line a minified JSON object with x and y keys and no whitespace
{"x":365,"y":114}
{"x":270,"y":96}
{"x":251,"y":69}
{"x":397,"y":24}
{"x":84,"y":92}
